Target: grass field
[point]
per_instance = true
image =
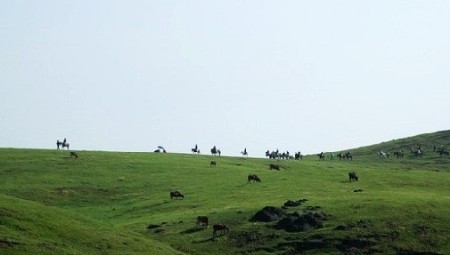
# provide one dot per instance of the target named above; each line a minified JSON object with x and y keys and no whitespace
{"x":118,"y":203}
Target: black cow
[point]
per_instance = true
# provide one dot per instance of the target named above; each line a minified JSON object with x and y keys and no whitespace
{"x":352,"y":176}
{"x":274,"y":166}
{"x":176,"y":194}
{"x":73,"y":154}
{"x":253,"y":177}
{"x":220,"y":228}
{"x":202,"y":221}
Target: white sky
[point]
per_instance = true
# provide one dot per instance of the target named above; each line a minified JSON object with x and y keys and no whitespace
{"x":305,"y":76}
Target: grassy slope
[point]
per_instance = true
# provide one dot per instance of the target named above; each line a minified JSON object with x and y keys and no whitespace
{"x":103,"y":202}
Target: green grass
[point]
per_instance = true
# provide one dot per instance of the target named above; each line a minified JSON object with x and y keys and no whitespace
{"x":103,"y":202}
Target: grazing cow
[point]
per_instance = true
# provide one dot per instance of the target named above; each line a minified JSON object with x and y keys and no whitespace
{"x":213,"y":163}
{"x":274,"y":166}
{"x":220,"y":228}
{"x":176,"y":194}
{"x":202,"y":221}
{"x":73,"y":154}
{"x":352,"y":176}
{"x":253,"y":177}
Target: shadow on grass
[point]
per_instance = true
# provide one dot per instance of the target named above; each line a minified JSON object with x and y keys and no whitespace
{"x":192,"y":230}
{"x":211,"y":239}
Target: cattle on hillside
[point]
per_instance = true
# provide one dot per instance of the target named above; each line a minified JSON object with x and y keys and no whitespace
{"x":220,"y":229}
{"x":202,"y":221}
{"x":176,"y":194}
{"x":352,"y":176}
{"x":253,"y":177}
{"x":274,"y":167}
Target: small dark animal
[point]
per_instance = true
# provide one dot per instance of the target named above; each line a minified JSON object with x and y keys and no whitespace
{"x":253,"y":177}
{"x":352,"y":176}
{"x":73,"y":154}
{"x":213,"y":163}
{"x":220,"y":228}
{"x":176,"y":194}
{"x":358,"y":190}
{"x":273,"y":166}
{"x":202,"y":221}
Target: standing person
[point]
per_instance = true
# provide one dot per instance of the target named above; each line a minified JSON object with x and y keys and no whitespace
{"x":57,"y":144}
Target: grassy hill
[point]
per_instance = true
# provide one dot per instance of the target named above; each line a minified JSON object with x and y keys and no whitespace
{"x":427,"y":142}
{"x":118,"y":203}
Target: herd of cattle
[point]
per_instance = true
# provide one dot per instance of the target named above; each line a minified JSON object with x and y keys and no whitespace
{"x":221,"y":228}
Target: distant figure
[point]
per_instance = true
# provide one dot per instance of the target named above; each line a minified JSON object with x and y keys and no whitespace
{"x":58,"y":143}
{"x":195,"y":149}
{"x":214,"y":150}
{"x":212,"y":163}
{"x":65,"y":144}
{"x":321,"y":156}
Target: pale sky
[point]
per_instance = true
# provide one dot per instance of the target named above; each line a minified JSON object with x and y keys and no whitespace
{"x":305,"y":76}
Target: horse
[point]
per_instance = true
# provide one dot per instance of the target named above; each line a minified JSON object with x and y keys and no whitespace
{"x":348,"y":156}
{"x":352,"y":176}
{"x":244,"y":153}
{"x":195,"y":149}
{"x":273,"y":166}
{"x":176,"y":194}
{"x":418,"y":153}
{"x":298,"y":155}
{"x":399,"y":154}
{"x":253,"y":177}
{"x":62,"y":144}
{"x":202,"y":221}
{"x":220,"y":228}
{"x":321,"y":156}
{"x":214,"y":150}
{"x":382,"y":154}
